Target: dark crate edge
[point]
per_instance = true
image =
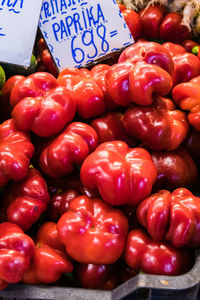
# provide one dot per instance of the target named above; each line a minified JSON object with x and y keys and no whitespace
{"x":141,"y":281}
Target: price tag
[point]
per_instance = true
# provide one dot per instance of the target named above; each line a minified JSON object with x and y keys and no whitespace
{"x":79,"y":32}
{"x":18,"y":26}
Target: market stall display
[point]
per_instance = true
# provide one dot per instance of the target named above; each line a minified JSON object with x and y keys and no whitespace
{"x":99,"y":165}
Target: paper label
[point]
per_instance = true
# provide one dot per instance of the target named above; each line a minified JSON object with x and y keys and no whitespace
{"x":79,"y":32}
{"x":18,"y":26}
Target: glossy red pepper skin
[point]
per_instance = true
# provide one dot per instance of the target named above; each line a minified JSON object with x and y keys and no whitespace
{"x":189,"y":44}
{"x":175,"y":169}
{"x":138,"y":83}
{"x":45,"y":115}
{"x":24,"y":202}
{"x":148,"y":52}
{"x":5,"y":107}
{"x":117,"y":79}
{"x":104,"y":277}
{"x":174,"y":49}
{"x":62,"y":191}
{"x":16,"y":151}
{"x":172,"y":216}
{"x":49,"y":261}
{"x":186,"y":95}
{"x":151,"y":19}
{"x":70,"y":148}
{"x":98,"y":74}
{"x":16,"y":251}
{"x":48,"y":62}
{"x":159,"y":126}
{"x":92,"y":231}
{"x":172,"y":30}
{"x":88,"y":89}
{"x":35,"y":85}
{"x":110,"y":127}
{"x":146,"y":81}
{"x":59,"y":203}
{"x":121,"y":174}
{"x":133,"y":22}
{"x":186,"y":67}
{"x":159,"y":258}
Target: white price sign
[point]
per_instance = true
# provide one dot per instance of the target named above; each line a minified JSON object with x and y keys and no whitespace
{"x":18,"y":26}
{"x":79,"y":32}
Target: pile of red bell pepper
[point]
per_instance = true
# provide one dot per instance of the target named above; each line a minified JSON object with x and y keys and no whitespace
{"x":98,"y":166}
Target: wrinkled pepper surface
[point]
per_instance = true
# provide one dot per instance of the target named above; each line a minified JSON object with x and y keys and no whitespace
{"x":121,"y":174}
{"x":49,"y":260}
{"x":137,"y":83}
{"x":110,"y":127}
{"x":25,"y":201}
{"x":88,"y":89}
{"x":158,"y":258}
{"x":16,"y":151}
{"x":16,"y":251}
{"x":186,"y":95}
{"x":175,"y":169}
{"x":172,"y":216}
{"x":70,"y":148}
{"x":161,"y":126}
{"x":92,"y":231}
{"x":41,"y":106}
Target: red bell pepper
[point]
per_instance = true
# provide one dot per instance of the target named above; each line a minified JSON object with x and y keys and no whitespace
{"x":35,"y":85}
{"x":110,"y":127}
{"x":16,"y":151}
{"x":186,"y":95}
{"x":45,"y":115}
{"x":172,"y":216}
{"x":175,"y":169}
{"x":62,"y":191}
{"x":104,"y":277}
{"x":133,"y":22}
{"x":47,"y":61}
{"x":186,"y":67}
{"x":160,"y":126}
{"x":174,"y":49}
{"x":172,"y":30}
{"x":121,"y":174}
{"x":148,"y":52}
{"x":157,"y":23}
{"x":189,"y":44}
{"x":70,"y":148}
{"x":5,"y":107}
{"x":146,"y":81}
{"x":59,"y":203}
{"x":151,"y":19}
{"x":138,"y":83}
{"x":98,"y":74}
{"x":58,"y":186}
{"x":117,"y":79}
{"x":16,"y":251}
{"x":88,"y":89}
{"x":159,"y":258}
{"x":49,"y":261}
{"x":25,"y":201}
{"x":92,"y":231}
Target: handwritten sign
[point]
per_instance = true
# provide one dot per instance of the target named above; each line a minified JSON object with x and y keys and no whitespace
{"x":18,"y":26}
{"x":79,"y":32}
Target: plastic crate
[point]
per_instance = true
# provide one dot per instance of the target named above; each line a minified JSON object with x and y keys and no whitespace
{"x":140,"y":287}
